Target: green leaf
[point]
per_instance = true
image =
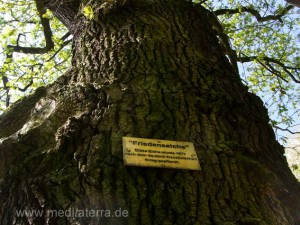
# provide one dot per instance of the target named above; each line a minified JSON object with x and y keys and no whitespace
{"x":88,"y":12}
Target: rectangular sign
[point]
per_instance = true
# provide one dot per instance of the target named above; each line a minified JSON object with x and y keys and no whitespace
{"x":159,"y":153}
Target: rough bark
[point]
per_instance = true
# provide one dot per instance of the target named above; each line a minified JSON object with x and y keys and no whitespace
{"x":151,"y":70}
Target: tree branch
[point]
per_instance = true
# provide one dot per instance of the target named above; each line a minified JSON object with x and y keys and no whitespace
{"x":268,"y":62}
{"x":286,"y":129}
{"x":26,"y":87}
{"x":64,"y":10}
{"x":60,"y":48}
{"x":255,"y":13}
{"x":294,"y":2}
{"x":47,"y":34}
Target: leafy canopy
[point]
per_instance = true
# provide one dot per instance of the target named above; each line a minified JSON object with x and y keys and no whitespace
{"x":262,"y":37}
{"x":21,"y":73}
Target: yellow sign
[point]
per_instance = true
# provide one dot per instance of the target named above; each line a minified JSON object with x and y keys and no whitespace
{"x":159,"y":153}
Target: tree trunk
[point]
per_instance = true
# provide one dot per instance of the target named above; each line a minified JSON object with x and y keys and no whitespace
{"x":150,"y":70}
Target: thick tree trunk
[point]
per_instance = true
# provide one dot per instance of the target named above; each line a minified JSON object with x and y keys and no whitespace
{"x":153,"y":70}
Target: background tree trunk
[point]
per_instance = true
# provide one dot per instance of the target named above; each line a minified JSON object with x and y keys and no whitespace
{"x":152,"y":70}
